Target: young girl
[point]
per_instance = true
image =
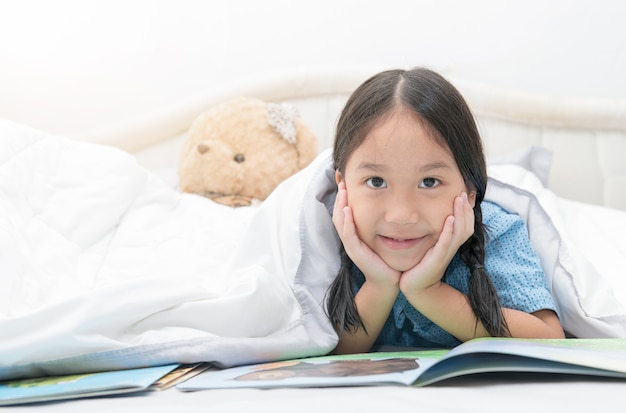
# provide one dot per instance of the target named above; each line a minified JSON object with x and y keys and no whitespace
{"x":425,"y":261}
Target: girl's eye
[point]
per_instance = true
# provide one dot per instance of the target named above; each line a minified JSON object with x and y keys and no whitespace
{"x":376,"y":182}
{"x":429,"y":183}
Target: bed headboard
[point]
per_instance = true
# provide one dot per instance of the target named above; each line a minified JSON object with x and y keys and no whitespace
{"x":587,"y":136}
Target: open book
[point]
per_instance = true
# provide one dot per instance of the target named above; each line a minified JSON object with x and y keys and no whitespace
{"x":96,"y":384}
{"x":599,"y":357}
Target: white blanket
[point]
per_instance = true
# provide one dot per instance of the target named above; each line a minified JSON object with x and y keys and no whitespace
{"x":103,"y":266}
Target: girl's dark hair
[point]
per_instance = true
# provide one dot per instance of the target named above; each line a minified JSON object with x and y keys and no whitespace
{"x":442,"y":108}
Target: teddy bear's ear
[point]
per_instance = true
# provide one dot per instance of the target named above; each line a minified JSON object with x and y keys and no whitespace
{"x":282,"y":117}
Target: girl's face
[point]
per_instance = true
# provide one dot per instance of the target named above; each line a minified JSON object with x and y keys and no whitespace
{"x":401,"y":186}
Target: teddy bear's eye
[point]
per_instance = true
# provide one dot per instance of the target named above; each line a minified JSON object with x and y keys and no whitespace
{"x":239,"y":158}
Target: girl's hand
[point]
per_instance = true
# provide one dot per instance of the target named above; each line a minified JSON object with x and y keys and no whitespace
{"x":457,"y":229}
{"x":373,"y":267}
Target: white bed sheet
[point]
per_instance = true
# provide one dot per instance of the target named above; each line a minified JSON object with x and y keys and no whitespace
{"x":479,"y":394}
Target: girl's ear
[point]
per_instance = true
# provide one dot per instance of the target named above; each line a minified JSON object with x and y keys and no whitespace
{"x":471,"y":198}
{"x":338,"y":176}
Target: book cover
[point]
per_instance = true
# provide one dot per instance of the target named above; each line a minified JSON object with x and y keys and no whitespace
{"x":81,"y":385}
{"x":601,"y":357}
{"x":180,"y":374}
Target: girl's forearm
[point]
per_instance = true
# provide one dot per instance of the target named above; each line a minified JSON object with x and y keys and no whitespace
{"x":450,"y":309}
{"x":540,"y":324}
{"x":373,"y":304}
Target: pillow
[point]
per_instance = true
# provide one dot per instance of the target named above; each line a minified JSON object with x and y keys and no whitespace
{"x":583,"y":265}
{"x":535,"y":159}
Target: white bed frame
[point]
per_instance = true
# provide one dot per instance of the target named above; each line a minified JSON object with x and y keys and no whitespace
{"x":587,"y":136}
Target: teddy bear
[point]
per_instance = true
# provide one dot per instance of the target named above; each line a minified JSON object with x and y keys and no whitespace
{"x":237,"y":152}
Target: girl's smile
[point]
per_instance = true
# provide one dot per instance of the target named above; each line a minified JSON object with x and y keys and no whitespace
{"x":401,"y":185}
{"x":399,"y":243}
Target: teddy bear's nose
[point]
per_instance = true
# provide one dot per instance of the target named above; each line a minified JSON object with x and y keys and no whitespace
{"x":203,"y":148}
{"x":239,"y":158}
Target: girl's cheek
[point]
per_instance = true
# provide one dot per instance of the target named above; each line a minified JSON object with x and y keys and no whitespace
{"x":356,"y":217}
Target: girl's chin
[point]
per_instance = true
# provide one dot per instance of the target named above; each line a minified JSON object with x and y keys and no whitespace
{"x":401,"y":265}
{"x":402,"y":260}
{"x":402,"y":268}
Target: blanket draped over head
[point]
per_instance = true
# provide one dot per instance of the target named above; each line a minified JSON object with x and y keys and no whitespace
{"x":104,"y":266}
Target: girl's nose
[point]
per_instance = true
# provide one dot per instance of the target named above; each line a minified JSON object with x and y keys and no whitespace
{"x":401,"y":210}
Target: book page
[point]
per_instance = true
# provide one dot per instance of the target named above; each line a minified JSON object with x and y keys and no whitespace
{"x":330,"y":371}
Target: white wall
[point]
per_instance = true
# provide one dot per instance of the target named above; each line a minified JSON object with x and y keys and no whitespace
{"x":74,"y":65}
